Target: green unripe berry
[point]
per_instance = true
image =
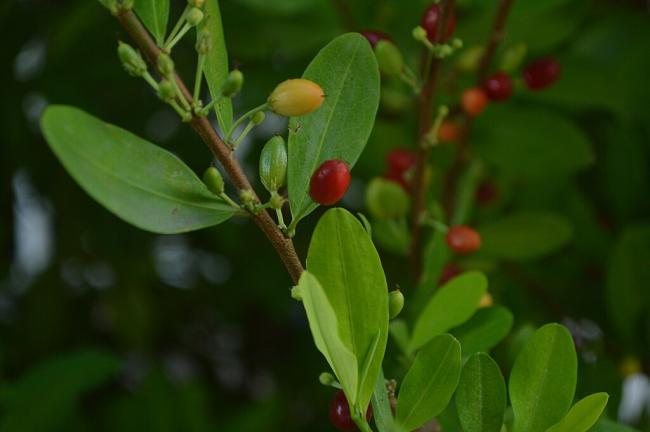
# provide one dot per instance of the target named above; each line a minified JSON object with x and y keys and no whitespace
{"x":233,"y":84}
{"x":420,"y":34}
{"x":131,"y":60}
{"x":273,"y":164}
{"x":194,"y":16}
{"x":385,"y":199}
{"x":165,"y":64}
{"x":469,"y":59}
{"x":395,"y":303}
{"x":214,"y":181}
{"x":389,"y":58}
{"x":166,"y":90}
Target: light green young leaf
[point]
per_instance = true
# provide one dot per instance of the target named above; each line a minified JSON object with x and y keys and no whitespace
{"x":481,"y":395}
{"x":583,"y":415}
{"x":216,"y":64}
{"x":325,"y":329}
{"x":141,"y":183}
{"x":451,"y":306}
{"x":155,"y":15}
{"x":484,"y":330}
{"x":543,"y":379}
{"x":430,"y":382}
{"x":347,"y":71}
{"x":381,"y":410}
{"x":345,"y":262}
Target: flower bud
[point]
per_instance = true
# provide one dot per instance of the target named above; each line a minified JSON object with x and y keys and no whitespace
{"x":420,"y":34}
{"x":385,"y":199}
{"x":213,"y":180}
{"x":131,"y":60}
{"x":277,"y":201}
{"x":203,"y":42}
{"x":273,"y":164}
{"x":194,"y":16}
{"x":165,"y":64}
{"x":233,"y":84}
{"x":296,"y":97}
{"x":389,"y":58}
{"x":166,"y":90}
{"x":395,"y":303}
{"x":327,"y":379}
{"x":246,"y":196}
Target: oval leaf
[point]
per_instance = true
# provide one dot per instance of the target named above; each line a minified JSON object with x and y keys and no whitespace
{"x":484,"y":330}
{"x":543,"y":379}
{"x":481,"y":395}
{"x":451,"y":306}
{"x":347,"y":71}
{"x":429,"y":383}
{"x":155,"y":15}
{"x":345,"y":262}
{"x":138,"y":181}
{"x":583,"y":415}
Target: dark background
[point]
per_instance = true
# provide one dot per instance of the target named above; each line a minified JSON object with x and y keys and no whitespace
{"x":105,"y":327}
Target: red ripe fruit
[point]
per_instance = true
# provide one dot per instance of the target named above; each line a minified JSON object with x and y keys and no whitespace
{"x":541,"y":73}
{"x":449,"y":272}
{"x":498,"y":87}
{"x":329,"y":182}
{"x":463,"y":239}
{"x":449,"y":132}
{"x":401,"y":160}
{"x":374,"y":36}
{"x":340,"y":413}
{"x":474,"y":101}
{"x":430,"y":20}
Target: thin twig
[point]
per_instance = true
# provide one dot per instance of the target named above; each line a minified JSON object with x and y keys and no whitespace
{"x":283,"y":246}
{"x":496,"y":36}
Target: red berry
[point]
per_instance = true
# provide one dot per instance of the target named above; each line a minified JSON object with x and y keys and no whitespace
{"x":463,"y":239}
{"x":340,"y":413}
{"x":430,"y":20}
{"x":498,"y":87}
{"x":374,"y":36}
{"x":473,"y":101}
{"x":541,"y":73}
{"x":486,"y":194}
{"x":449,"y":272}
{"x":401,"y":160}
{"x":449,"y":132}
{"x":329,"y":182}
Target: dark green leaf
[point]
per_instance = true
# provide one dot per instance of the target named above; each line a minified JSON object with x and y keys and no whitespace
{"x":583,"y":415}
{"x":154,"y":14}
{"x":481,"y":395}
{"x":138,"y":181}
{"x":484,"y":330}
{"x":347,"y":71}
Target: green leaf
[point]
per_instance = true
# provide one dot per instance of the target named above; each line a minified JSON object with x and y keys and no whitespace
{"x":532,"y":143}
{"x":326,"y":330}
{"x":216,"y":63}
{"x":138,"y":181}
{"x":543,"y":379}
{"x":155,"y":15}
{"x":45,"y":397}
{"x":400,"y":333}
{"x":525,"y":236}
{"x":481,"y":395}
{"x":381,"y":410}
{"x":347,"y":71}
{"x":605,"y":425}
{"x":429,"y":383}
{"x":392,"y":235}
{"x":583,"y":415}
{"x":484,"y":330}
{"x":343,"y":258}
{"x":451,"y":306}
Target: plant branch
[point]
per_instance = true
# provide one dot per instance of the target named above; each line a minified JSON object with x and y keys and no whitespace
{"x":283,"y":246}
{"x":496,"y":36}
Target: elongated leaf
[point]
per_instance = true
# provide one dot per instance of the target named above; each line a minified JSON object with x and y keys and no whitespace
{"x":484,"y":330}
{"x":583,"y":415}
{"x":216,"y":64}
{"x":429,"y":383}
{"x":525,"y":236}
{"x":155,"y":15}
{"x":344,"y":260}
{"x":451,"y":306}
{"x":543,"y":379}
{"x":481,"y":395}
{"x":138,"y":181}
{"x":605,"y":425}
{"x":325,"y":329}
{"x":347,"y":71}
{"x":381,"y":410}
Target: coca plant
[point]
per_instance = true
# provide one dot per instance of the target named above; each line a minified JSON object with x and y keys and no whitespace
{"x":450,"y":323}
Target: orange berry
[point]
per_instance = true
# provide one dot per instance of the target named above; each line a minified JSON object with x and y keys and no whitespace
{"x":474,"y":101}
{"x":449,"y":132}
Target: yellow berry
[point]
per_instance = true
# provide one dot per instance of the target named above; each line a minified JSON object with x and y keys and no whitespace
{"x":296,"y":97}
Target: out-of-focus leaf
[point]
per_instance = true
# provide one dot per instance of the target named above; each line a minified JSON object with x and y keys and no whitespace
{"x":392,"y":235}
{"x":583,"y":415}
{"x":484,"y":330}
{"x":154,"y":14}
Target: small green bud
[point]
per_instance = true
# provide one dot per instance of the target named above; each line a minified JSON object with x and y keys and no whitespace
{"x":258,"y":118}
{"x":131,"y":60}
{"x":420,"y":34}
{"x":395,"y":303}
{"x":277,"y":201}
{"x":166,"y":90}
{"x":214,"y":181}
{"x":469,"y":59}
{"x":194,"y":16}
{"x":233,"y":83}
{"x":386,"y":199}
{"x":273,"y":164}
{"x":456,"y":43}
{"x":513,"y":57}
{"x":327,"y":379}
{"x":389,"y":58}
{"x":246,"y":196}
{"x":165,"y":64}
{"x":203,"y":42}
